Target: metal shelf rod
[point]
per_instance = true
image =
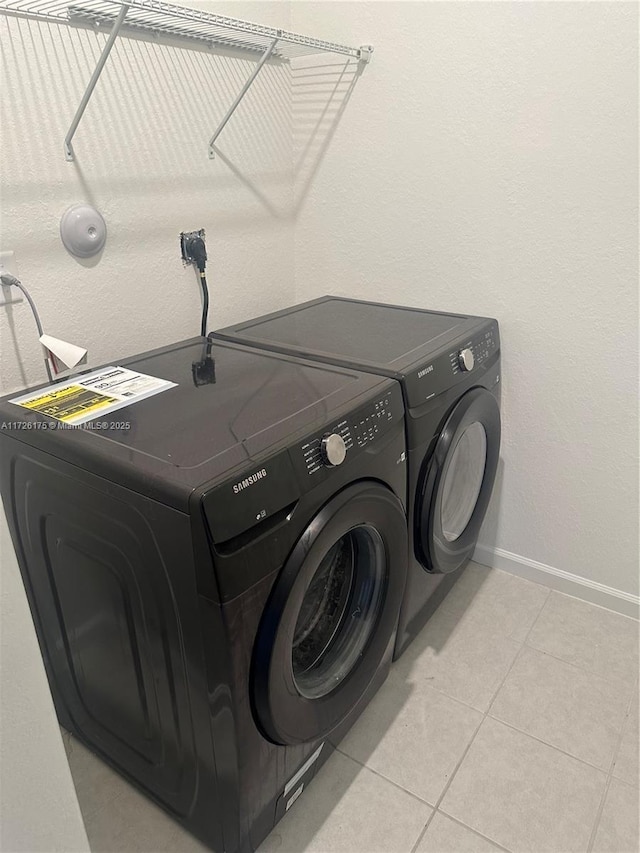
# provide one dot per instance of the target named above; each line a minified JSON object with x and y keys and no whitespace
{"x":241,"y":94}
{"x":68,"y":146}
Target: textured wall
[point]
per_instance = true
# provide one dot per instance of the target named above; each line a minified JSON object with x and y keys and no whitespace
{"x":487,"y":163}
{"x":142,"y":160}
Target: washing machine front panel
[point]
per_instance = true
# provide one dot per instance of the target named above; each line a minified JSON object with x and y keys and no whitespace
{"x":457,"y":481}
{"x":331,"y":615}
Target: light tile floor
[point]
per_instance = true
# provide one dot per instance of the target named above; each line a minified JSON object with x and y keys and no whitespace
{"x":511,"y":724}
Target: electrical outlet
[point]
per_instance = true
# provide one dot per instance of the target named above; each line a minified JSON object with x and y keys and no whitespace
{"x":9,"y":295}
{"x":185,"y":245}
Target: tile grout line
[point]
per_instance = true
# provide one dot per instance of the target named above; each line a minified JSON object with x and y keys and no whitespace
{"x":445,"y":605}
{"x":515,"y":658}
{"x":487,"y":713}
{"x":377,"y":773}
{"x":456,"y":699}
{"x":626,"y":723}
{"x":470,"y":744}
{"x":520,"y":650}
{"x":635,"y":619}
{"x":615,"y":680}
{"x":575,"y":666}
{"x":549,"y":745}
{"x":525,"y":642}
{"x":474,"y":831}
{"x":600,"y":809}
{"x":423,"y":831}
{"x":610,"y":776}
{"x":506,"y":636}
{"x":468,"y":704}
{"x":535,"y":621}
{"x":447,"y":784}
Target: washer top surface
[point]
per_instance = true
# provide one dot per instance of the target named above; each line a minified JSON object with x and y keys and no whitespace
{"x":190,"y":435}
{"x":256,"y":398}
{"x":367,"y":334}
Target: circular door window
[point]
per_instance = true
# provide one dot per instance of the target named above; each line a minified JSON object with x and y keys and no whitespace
{"x":463,"y":481}
{"x":338,"y":612}
{"x":457,"y":481}
{"x":332,"y":614}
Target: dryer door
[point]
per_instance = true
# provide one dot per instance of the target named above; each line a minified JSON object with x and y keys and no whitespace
{"x":331,"y":614}
{"x":457,"y":482}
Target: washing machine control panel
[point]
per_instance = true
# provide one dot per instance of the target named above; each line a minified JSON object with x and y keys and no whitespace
{"x":333,"y":450}
{"x":335,"y":444}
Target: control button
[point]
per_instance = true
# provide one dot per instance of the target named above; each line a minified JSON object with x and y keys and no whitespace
{"x":333,"y":450}
{"x":466,"y":359}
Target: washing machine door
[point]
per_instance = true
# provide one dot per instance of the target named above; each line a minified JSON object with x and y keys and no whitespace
{"x":457,"y":482}
{"x":331,"y":615}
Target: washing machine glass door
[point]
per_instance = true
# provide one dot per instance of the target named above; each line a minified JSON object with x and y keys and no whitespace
{"x":332,"y":612}
{"x":457,"y":482}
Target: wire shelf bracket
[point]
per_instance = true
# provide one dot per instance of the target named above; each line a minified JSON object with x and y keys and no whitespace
{"x":265,"y":56}
{"x":196,"y":28}
{"x":69,"y":153}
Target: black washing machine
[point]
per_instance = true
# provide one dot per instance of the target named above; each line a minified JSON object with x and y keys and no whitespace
{"x":215,"y":572}
{"x":449,"y":368}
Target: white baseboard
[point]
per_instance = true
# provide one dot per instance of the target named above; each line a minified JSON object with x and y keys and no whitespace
{"x":579,"y":587}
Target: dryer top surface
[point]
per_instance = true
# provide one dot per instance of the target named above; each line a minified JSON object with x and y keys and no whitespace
{"x":387,"y":338}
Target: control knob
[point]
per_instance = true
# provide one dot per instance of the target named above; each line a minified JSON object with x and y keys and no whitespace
{"x":332,"y":450}
{"x":466,"y":359}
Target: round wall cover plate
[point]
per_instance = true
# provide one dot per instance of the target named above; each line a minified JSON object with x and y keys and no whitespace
{"x":83,"y":230}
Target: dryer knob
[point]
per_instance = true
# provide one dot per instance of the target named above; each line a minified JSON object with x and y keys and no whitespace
{"x":332,"y":450}
{"x":466,"y":359}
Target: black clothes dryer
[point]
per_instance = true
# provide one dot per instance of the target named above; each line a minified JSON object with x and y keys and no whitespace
{"x":449,"y":368}
{"x":215,"y":574}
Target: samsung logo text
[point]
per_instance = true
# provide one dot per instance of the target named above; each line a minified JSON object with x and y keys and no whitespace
{"x":424,"y":371}
{"x":249,"y":481}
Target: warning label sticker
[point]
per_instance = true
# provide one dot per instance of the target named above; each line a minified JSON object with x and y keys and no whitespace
{"x":68,"y":403}
{"x":93,"y":395}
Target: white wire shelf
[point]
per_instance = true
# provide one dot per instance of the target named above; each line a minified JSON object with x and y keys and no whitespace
{"x":158,"y":18}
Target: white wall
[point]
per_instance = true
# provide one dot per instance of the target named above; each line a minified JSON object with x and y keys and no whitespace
{"x":487,"y":163}
{"x":142,"y":160}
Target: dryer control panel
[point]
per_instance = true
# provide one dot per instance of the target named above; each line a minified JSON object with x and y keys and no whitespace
{"x":473,"y":352}
{"x":453,"y":364}
{"x":355,"y":432}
